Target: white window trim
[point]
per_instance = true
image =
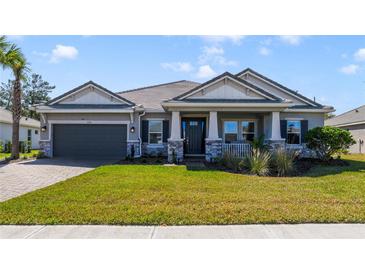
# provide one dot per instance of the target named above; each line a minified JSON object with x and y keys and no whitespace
{"x":239,"y":129}
{"x":300,"y":132}
{"x":149,"y":132}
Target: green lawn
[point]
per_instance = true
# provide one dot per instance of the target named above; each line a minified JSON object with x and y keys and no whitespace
{"x":137,"y":194}
{"x":22,"y":155}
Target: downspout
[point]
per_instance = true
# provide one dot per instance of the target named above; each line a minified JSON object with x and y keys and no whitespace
{"x":140,"y":132}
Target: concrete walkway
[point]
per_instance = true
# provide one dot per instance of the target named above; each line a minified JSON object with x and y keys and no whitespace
{"x":300,"y":231}
{"x":19,"y":178}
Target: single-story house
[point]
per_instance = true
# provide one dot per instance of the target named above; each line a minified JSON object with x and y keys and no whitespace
{"x":353,"y":121}
{"x":29,"y":128}
{"x":178,"y":119}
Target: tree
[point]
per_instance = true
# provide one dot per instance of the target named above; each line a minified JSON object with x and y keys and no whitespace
{"x":19,"y":68}
{"x":12,"y":57}
{"x":6,"y":90}
{"x":4,"y":45}
{"x":327,"y":141}
{"x":36,"y":91}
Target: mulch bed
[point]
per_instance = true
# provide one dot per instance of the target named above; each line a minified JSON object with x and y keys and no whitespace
{"x":144,"y":161}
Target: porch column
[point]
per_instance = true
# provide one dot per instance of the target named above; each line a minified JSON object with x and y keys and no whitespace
{"x":175,"y":126}
{"x":213,"y":144}
{"x":275,"y":126}
{"x":175,"y":145}
{"x":213,"y":126}
{"x":276,"y":142}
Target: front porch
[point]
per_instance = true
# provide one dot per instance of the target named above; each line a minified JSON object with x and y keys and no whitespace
{"x":212,"y":133}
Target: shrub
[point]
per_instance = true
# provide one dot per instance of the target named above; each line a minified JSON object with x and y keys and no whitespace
{"x":28,"y":146}
{"x":231,"y":162}
{"x":283,"y":161}
{"x":259,"y":143}
{"x":41,"y":155}
{"x":257,"y":162}
{"x":8,"y":147}
{"x":1,"y":146}
{"x":327,"y":141}
{"x":22,"y":147}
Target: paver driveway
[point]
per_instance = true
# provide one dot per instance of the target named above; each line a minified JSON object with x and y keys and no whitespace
{"x":19,"y":178}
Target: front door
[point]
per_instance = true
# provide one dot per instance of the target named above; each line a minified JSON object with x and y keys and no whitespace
{"x":193,"y":131}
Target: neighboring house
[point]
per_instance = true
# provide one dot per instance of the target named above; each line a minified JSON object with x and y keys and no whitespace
{"x":177,"y":119}
{"x":29,"y":128}
{"x":353,"y":121}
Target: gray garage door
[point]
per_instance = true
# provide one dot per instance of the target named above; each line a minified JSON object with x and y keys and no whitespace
{"x":90,"y":141}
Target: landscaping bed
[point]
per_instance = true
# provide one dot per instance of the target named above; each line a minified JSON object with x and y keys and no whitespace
{"x":34,"y":153}
{"x":173,"y":195}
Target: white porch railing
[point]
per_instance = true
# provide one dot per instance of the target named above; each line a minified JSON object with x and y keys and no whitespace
{"x":236,"y":150}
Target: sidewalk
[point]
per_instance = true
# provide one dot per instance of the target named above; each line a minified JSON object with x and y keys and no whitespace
{"x":299,"y":231}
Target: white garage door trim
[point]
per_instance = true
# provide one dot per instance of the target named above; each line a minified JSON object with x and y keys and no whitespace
{"x":91,"y":122}
{"x":84,"y":122}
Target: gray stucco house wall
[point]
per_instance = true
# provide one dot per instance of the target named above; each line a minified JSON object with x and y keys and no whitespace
{"x":185,"y":118}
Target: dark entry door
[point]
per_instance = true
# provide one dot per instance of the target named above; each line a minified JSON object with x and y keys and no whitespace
{"x":193,"y":130}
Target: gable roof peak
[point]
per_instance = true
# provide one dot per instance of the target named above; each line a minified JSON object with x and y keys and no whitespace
{"x":274,"y":83}
{"x":234,"y":77}
{"x":74,"y":90}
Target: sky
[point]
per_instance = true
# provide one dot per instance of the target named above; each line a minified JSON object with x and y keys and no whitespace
{"x":329,"y":68}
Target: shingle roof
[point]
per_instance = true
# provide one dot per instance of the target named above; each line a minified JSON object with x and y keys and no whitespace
{"x":279,"y":85}
{"x":152,"y":96}
{"x":6,"y":117}
{"x":356,"y":115}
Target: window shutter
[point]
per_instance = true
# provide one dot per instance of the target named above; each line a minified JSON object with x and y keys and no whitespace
{"x":283,"y":129}
{"x":144,"y":131}
{"x":165,"y":131}
{"x":303,"y":130}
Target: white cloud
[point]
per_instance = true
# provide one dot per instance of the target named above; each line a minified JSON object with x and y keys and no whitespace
{"x":205,"y":72}
{"x":214,"y":54}
{"x":63,"y":52}
{"x":294,"y":40}
{"x":359,"y":55}
{"x":350,"y":69}
{"x":264,"y":51}
{"x":178,"y":66}
{"x":217,"y":39}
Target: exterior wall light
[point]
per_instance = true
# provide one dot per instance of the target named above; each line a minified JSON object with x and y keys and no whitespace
{"x":132,"y":130}
{"x":44,"y":128}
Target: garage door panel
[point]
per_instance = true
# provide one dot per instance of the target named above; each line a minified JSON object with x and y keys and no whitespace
{"x":91,"y":141}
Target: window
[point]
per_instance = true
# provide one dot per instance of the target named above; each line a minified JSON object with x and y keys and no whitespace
{"x":36,"y":132}
{"x":240,"y":130}
{"x":155,"y":132}
{"x":248,"y":130}
{"x":29,"y":135}
{"x":230,"y":131}
{"x":293,"y":131}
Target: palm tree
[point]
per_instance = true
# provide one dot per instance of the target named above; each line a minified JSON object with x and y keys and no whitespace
{"x":19,"y":68}
{"x":12,"y":57}
{"x":4,"y":45}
